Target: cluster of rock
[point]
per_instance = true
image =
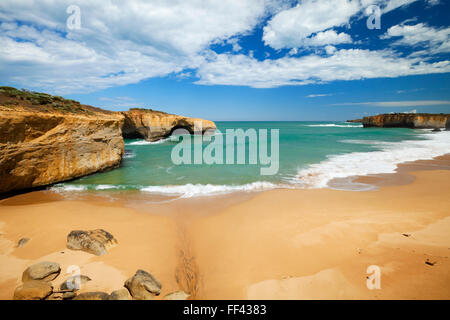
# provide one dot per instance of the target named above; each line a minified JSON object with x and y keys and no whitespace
{"x":37,"y":279}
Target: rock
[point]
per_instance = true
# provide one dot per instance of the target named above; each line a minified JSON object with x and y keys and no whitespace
{"x":178,"y":295}
{"x":407,"y":120}
{"x":121,"y":294}
{"x":143,"y":286}
{"x":72,"y":284}
{"x":92,"y":296}
{"x":45,"y":270}
{"x":155,"y":125}
{"x":95,"y":241}
{"x":22,"y":242}
{"x":55,"y":296}
{"x":355,"y":121}
{"x":436,"y":130}
{"x":38,"y":148}
{"x":430,"y":263}
{"x":68,"y":295}
{"x":33,"y":290}
{"x":47,"y":139}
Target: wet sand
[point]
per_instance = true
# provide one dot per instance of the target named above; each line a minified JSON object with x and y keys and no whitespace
{"x":279,"y":244}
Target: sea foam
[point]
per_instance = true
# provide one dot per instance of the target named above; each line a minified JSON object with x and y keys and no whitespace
{"x":366,"y":163}
{"x":197,"y":190}
{"x":335,"y":125}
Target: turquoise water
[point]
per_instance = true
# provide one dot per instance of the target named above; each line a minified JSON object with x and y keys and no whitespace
{"x":310,"y":155}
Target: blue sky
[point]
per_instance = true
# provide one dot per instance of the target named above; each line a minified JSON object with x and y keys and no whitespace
{"x":235,"y":59}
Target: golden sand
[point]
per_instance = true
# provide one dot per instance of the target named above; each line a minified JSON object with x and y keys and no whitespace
{"x":280,"y":244}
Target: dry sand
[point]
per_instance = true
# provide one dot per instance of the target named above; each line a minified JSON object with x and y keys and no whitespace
{"x":280,"y":244}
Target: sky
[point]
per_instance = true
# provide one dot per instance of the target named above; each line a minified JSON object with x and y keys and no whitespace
{"x":232,"y":60}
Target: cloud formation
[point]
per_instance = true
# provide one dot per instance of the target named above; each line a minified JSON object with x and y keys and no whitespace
{"x":344,"y":64}
{"x":123,"y":42}
{"x":119,"y":42}
{"x":435,"y":40}
{"x":412,"y":103}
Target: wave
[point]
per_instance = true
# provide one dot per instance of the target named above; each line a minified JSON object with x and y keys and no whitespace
{"x":375,"y":162}
{"x":383,"y":160}
{"x":184,"y":191}
{"x":64,"y":187}
{"x":372,"y":142}
{"x":198,"y":190}
{"x":129,"y":154}
{"x":335,"y":125}
{"x":145,"y":142}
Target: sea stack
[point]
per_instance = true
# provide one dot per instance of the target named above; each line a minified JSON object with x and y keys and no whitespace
{"x":154,"y":125}
{"x":407,"y":120}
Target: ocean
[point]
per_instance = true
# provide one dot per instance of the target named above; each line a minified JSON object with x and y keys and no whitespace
{"x":311,"y":154}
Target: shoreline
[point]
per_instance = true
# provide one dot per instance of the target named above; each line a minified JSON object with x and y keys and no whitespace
{"x":282,"y":243}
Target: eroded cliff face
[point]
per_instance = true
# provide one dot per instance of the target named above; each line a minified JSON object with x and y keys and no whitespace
{"x":155,"y":125}
{"x":46,"y":139}
{"x":39,"y":148}
{"x":407,"y":120}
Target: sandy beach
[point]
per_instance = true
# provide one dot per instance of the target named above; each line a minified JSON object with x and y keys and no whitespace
{"x":279,"y":244}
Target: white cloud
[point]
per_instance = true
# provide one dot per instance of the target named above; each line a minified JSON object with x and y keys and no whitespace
{"x":412,"y":103}
{"x":437,"y":40}
{"x":330,"y":49}
{"x":394,"y":4}
{"x":351,"y":64}
{"x":319,"y":95}
{"x":289,"y":28}
{"x":328,"y":37}
{"x":119,"y":42}
{"x":123,"y":42}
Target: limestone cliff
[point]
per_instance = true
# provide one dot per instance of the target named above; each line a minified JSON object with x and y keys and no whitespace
{"x":154,"y":125}
{"x":38,"y":149}
{"x":407,"y":120}
{"x":47,"y":139}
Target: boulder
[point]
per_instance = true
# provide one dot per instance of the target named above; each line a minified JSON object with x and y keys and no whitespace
{"x":55,"y":296}
{"x":121,"y":294}
{"x":44,"y":270}
{"x":143,"y":286}
{"x":94,"y":241}
{"x":22,"y":242}
{"x":92,"y":296}
{"x":69,"y":295}
{"x":178,"y":295}
{"x":33,"y":290}
{"x":72,"y":283}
